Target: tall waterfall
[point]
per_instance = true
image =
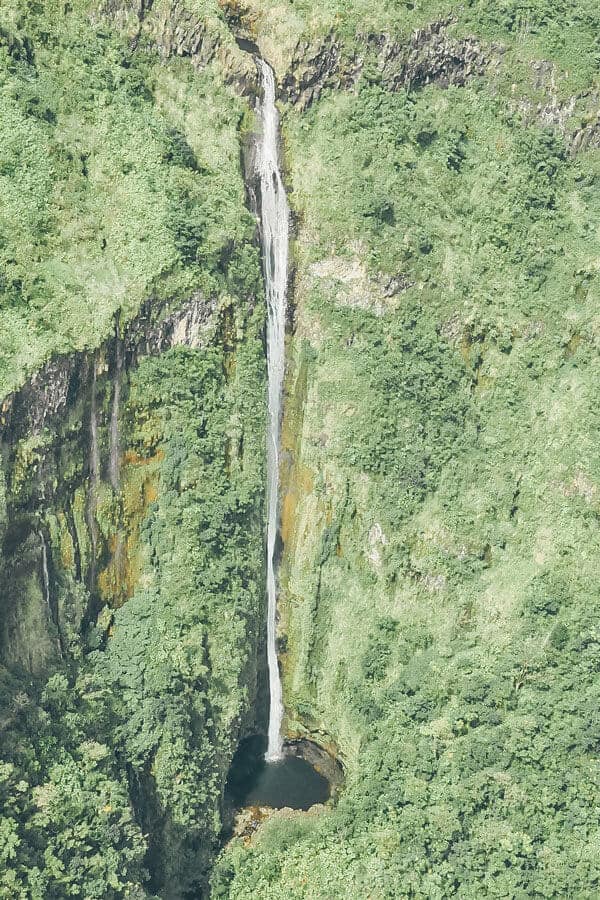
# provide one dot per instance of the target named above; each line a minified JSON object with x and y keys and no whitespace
{"x":274,"y":220}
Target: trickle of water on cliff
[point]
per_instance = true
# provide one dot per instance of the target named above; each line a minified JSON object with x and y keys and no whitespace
{"x":94,"y":465}
{"x":114,"y":415}
{"x":274,"y":220}
{"x":52,"y":610}
{"x":45,"y":574}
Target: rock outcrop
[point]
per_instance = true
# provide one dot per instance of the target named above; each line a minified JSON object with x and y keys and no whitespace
{"x":46,"y":395}
{"x":57,"y":436}
{"x":316,"y":66}
{"x":176,"y":30}
{"x":431,"y":56}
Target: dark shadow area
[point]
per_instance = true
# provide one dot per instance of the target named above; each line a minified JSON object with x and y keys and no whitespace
{"x":247,"y":46}
{"x":290,"y":782}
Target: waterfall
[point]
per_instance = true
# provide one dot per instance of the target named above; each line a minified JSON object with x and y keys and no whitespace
{"x":94,"y":452}
{"x":274,"y":221}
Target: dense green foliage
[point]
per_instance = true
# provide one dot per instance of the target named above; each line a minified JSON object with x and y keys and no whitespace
{"x":108,"y":194}
{"x":439,"y":582}
{"x":120,"y":177}
{"x":526,"y":30}
{"x":139,"y":736}
{"x":66,"y":824}
{"x":179,"y":665}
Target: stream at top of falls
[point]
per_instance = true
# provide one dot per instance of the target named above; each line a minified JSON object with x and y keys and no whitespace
{"x":274,"y":227}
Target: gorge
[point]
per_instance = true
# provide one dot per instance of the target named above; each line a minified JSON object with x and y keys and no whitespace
{"x":403,"y":576}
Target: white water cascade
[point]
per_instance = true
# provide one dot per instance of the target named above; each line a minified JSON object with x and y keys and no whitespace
{"x":45,"y":574}
{"x":275,"y":223}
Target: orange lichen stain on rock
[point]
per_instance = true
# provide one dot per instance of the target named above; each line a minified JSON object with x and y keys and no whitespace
{"x":150,"y":489}
{"x":66,"y":554}
{"x":300,"y":483}
{"x":248,"y":820}
{"x":140,"y":480}
{"x":117,"y":582}
{"x":66,"y":548}
{"x":132,"y":458}
{"x":297,"y":480}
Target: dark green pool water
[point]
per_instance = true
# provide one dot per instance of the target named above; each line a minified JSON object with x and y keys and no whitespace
{"x":290,"y":781}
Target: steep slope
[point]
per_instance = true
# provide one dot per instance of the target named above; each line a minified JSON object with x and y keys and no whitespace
{"x":440,"y":508}
{"x":439,"y":503}
{"x":133,"y":382}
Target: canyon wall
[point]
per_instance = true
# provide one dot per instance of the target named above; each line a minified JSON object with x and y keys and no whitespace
{"x":438,"y":504}
{"x":132,"y":432}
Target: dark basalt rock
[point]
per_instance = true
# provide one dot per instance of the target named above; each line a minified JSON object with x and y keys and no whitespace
{"x":322,"y":761}
{"x":315,"y":67}
{"x":178,"y":31}
{"x":48,"y":393}
{"x":431,"y":56}
{"x":68,"y":412}
{"x":587,"y":137}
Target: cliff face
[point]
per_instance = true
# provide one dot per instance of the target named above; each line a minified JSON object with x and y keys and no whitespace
{"x":131,"y":510}
{"x":439,"y":483}
{"x":61,"y":439}
{"x":179,"y":29}
{"x":441,"y":54}
{"x":105,"y":455}
{"x":437,"y":593}
{"x":429,"y":56}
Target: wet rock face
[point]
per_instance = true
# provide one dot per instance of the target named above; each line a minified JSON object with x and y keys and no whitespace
{"x":182,"y":33}
{"x":57,"y":435}
{"x":324,"y":762}
{"x":123,"y":12}
{"x":149,"y":334}
{"x":49,"y":392}
{"x":44,"y":396}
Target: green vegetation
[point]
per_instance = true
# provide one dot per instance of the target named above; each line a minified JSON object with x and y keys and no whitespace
{"x":109,"y":194}
{"x":441,"y":473}
{"x":439,"y":577}
{"x":524,"y":30}
{"x":179,"y":669}
{"x":131,"y":616}
{"x":70,"y":832}
{"x":126,"y":753}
